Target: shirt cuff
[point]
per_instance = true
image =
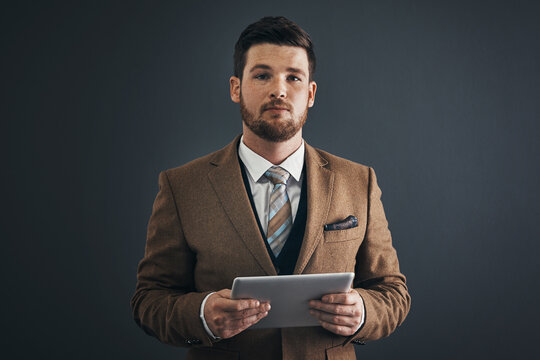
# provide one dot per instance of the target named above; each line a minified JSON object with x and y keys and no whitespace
{"x":363,"y":314}
{"x":201,"y":315}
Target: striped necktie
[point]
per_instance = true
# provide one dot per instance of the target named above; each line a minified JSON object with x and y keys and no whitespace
{"x":279,"y":212}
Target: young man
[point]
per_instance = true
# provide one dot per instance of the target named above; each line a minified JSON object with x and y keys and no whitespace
{"x":268,"y":204}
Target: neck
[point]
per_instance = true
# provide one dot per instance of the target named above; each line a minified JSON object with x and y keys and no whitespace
{"x":275,"y":152}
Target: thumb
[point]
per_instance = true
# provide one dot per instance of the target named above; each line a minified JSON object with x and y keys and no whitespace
{"x":226,"y":293}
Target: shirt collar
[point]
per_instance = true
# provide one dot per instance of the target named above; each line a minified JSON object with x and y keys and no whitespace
{"x":256,"y":165}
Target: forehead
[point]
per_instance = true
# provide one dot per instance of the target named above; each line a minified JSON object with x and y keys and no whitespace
{"x":277,"y":56}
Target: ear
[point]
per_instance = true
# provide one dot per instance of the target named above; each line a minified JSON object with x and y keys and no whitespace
{"x":311,"y":95}
{"x":235,"y":89}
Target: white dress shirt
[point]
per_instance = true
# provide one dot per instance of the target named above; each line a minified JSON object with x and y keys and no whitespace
{"x":261,"y":187}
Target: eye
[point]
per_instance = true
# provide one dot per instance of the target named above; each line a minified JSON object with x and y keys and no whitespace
{"x":294,"y":78}
{"x":261,"y":76}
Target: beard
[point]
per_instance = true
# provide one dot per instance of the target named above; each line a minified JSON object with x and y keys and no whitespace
{"x":277,"y":129}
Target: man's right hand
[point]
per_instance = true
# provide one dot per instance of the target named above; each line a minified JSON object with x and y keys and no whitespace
{"x":226,"y":317}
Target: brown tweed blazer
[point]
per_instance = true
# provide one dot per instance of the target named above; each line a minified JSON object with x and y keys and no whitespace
{"x":203,"y":233}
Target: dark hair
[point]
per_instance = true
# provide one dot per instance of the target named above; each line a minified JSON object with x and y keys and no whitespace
{"x":272,"y":30}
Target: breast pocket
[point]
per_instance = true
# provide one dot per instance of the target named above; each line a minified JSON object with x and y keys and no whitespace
{"x":343,"y":235}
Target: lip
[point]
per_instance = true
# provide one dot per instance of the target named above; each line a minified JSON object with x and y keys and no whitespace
{"x":277,"y":108}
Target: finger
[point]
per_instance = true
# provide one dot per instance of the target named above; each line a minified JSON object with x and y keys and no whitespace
{"x":338,"y":329}
{"x":259,"y":317}
{"x":263,"y":308}
{"x":245,"y":313}
{"x":256,"y":319}
{"x":243,"y":318}
{"x":227,"y":333}
{"x":225,"y":294}
{"x":349,"y":298}
{"x":243,"y":323}
{"x":226,"y":327}
{"x":336,"y":319}
{"x":237,"y":305}
{"x":337,"y":309}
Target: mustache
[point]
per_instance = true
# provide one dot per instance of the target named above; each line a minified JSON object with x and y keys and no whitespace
{"x":275,"y":103}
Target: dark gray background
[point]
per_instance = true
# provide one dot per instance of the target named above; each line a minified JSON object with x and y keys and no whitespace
{"x":440,"y":97}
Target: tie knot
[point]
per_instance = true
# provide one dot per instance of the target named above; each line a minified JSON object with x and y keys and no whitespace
{"x":277,"y":175}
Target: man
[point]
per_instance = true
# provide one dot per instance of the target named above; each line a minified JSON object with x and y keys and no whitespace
{"x":268,"y":204}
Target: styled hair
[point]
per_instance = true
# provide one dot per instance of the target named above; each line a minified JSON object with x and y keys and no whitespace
{"x":272,"y":30}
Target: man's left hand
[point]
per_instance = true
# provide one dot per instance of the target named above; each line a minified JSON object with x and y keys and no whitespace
{"x":339,"y":313}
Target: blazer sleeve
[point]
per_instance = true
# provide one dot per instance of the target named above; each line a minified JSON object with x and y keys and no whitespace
{"x":165,"y":304}
{"x":378,"y":279}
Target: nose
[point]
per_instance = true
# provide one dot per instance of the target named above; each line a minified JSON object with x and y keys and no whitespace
{"x":279,"y":89}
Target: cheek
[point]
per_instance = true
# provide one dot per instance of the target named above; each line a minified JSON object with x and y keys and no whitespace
{"x":250,"y":103}
{"x":252,"y":97}
{"x":301,"y":101}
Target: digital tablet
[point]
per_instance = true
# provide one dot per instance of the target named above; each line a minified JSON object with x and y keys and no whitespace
{"x":289,"y":295}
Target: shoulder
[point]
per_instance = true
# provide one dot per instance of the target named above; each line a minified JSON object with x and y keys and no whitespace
{"x":336,"y":163}
{"x":347,"y":174}
{"x":195,"y":167}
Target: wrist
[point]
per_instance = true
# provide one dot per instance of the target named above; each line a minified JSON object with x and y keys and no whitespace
{"x":203,"y":320}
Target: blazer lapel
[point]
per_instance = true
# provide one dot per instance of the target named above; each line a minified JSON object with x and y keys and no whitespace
{"x":319,"y":193}
{"x":226,"y":179}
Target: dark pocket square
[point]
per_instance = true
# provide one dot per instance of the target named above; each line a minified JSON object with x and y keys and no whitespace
{"x":350,"y":222}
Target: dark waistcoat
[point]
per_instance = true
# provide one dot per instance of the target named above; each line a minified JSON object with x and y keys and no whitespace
{"x":288,"y":256}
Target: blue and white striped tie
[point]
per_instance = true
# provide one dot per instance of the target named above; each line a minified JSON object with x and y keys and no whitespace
{"x":279,"y":212}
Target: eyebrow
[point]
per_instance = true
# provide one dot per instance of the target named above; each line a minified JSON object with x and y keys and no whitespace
{"x":295,"y":70}
{"x":266,"y":67}
{"x":260,"y":66}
